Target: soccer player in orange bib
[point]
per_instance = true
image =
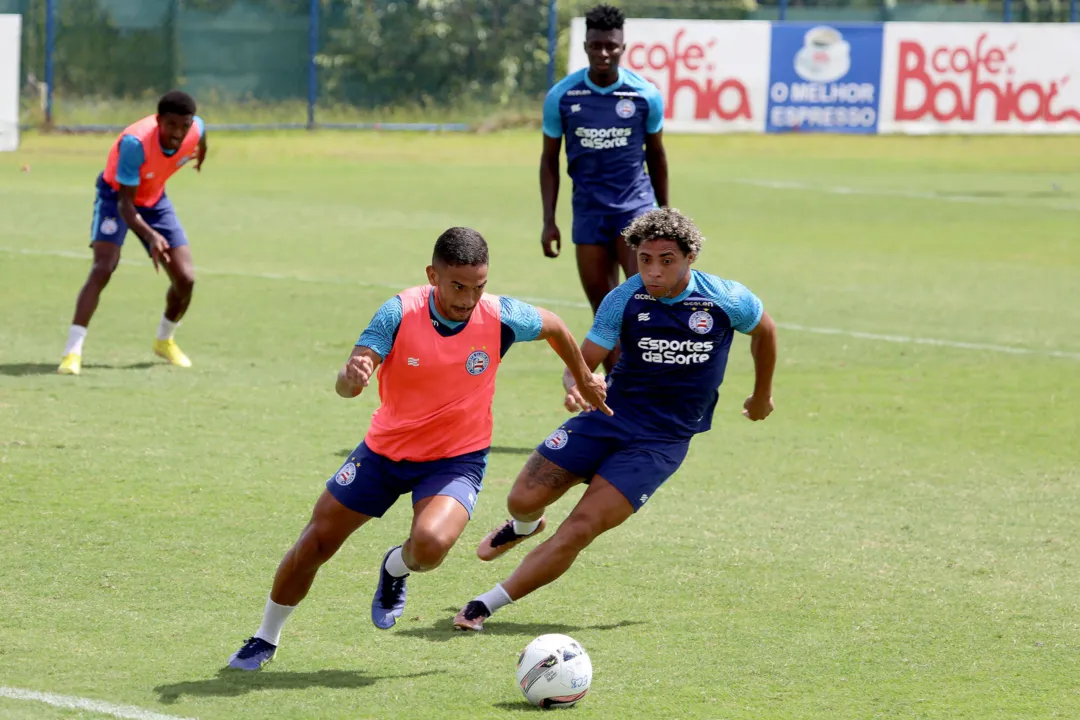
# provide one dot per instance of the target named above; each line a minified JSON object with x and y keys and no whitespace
{"x":437,"y":349}
{"x":131,"y":195}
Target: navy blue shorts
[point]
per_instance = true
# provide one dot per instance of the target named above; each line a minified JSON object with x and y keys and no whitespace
{"x":108,"y":226}
{"x":369,"y":483}
{"x":604,"y":229}
{"x":593,"y":443}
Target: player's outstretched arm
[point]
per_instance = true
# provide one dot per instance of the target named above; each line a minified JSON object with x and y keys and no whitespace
{"x":656,"y":162}
{"x":201,"y":157}
{"x":594,"y":355}
{"x":550,"y":238}
{"x":763,"y":348}
{"x":158,"y":245}
{"x":356,"y":375}
{"x":592,"y":388}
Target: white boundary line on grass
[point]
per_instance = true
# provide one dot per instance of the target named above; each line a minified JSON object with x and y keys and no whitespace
{"x":908,"y":194}
{"x":902,"y":339}
{"x":129,"y":712}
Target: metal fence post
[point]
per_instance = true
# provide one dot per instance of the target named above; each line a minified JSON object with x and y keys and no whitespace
{"x":1074,"y":10}
{"x":50,"y":42}
{"x":313,"y":75}
{"x":553,"y":40}
{"x":783,"y":10}
{"x":1007,"y":11}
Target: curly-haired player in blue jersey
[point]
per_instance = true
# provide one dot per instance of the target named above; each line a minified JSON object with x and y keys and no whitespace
{"x":613,"y":121}
{"x":675,"y":325}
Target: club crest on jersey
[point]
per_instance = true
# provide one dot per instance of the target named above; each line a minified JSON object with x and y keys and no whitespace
{"x":557,"y":439}
{"x":478,"y":362}
{"x":701,"y":322}
{"x":346,"y":474}
{"x":625,"y":108}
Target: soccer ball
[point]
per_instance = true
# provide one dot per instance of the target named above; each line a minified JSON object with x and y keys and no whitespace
{"x":554,"y":671}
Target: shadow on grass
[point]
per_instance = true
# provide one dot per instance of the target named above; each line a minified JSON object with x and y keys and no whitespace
{"x":232,"y":683}
{"x":444,"y":630}
{"x":21,"y":369}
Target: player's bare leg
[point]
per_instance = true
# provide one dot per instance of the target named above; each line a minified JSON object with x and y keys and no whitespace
{"x":627,"y":258}
{"x":181,"y":271}
{"x":106,"y":259}
{"x":330,"y":526}
{"x":600,"y":509}
{"x":539,"y":484}
{"x":599,"y":272}
{"x":438,"y":522}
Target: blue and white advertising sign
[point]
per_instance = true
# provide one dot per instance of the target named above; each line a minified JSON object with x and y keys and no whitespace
{"x":824,"y":78}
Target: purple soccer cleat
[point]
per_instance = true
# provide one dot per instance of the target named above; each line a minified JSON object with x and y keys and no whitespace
{"x":255,"y":653}
{"x":389,"y":601}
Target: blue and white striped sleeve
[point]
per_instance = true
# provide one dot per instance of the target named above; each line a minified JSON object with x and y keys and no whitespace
{"x":607,"y":325}
{"x":655,"y":121}
{"x":522,"y":318}
{"x":130,"y":161}
{"x":381,"y":332}
{"x":552,"y":116}
{"x":743,"y":307}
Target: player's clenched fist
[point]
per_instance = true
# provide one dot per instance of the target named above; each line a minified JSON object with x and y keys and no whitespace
{"x":757,"y":408}
{"x":355,"y":376}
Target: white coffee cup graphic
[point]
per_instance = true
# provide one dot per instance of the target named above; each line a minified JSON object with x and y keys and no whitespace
{"x":825,"y":55}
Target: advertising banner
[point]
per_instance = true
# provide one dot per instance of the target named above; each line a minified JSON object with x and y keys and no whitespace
{"x":713,"y":75}
{"x":824,"y":78}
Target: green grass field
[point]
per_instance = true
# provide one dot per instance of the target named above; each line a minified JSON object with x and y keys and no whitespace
{"x":899,"y":540}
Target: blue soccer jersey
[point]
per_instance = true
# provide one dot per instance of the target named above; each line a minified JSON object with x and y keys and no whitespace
{"x":674,"y":350}
{"x":605,"y":131}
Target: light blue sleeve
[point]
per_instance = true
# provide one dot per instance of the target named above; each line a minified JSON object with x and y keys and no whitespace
{"x":552,"y":116}
{"x":129,"y":165}
{"x":607,"y":325}
{"x":201,"y":125}
{"x":655,"y":122}
{"x":743,"y":307}
{"x":522,"y":318}
{"x":380,"y":333}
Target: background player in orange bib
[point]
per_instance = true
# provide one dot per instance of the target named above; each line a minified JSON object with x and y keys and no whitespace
{"x":437,"y":349}
{"x":131,"y":195}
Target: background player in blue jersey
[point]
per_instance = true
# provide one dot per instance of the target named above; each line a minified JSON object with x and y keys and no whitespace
{"x":675,"y":326}
{"x":613,"y":121}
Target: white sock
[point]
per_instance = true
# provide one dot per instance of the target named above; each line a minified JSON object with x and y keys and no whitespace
{"x":395,"y":564}
{"x":274,"y":618}
{"x":167,"y":329}
{"x":525,"y":528}
{"x":495,"y":598}
{"x":76,"y":335}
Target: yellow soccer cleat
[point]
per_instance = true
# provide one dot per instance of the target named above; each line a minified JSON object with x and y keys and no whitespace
{"x":70,"y":365}
{"x":169,"y":350}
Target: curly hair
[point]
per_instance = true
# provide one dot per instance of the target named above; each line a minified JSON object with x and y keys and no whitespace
{"x":665,"y":224}
{"x":604,"y":17}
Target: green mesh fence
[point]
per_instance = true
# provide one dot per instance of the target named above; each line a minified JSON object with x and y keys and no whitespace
{"x":376,"y":60}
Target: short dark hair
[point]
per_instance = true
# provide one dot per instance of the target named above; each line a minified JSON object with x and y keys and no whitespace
{"x":176,"y":102}
{"x":604,"y":17}
{"x":665,"y":224}
{"x":460,"y":246}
